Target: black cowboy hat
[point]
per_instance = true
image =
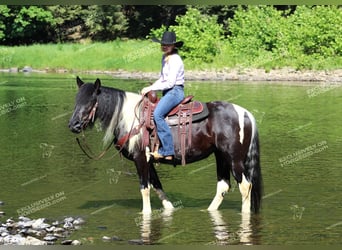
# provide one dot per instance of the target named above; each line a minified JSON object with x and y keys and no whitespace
{"x":169,"y":38}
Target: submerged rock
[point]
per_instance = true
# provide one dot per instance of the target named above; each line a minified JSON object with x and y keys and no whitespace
{"x":76,"y":242}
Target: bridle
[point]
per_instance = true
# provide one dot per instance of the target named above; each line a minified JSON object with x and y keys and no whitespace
{"x":91,"y":116}
{"x":120,"y":142}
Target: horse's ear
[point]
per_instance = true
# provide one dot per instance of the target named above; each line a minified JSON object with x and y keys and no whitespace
{"x":79,"y":82}
{"x":97,"y":86}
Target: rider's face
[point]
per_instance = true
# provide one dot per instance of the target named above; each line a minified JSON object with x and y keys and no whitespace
{"x":167,"y":48}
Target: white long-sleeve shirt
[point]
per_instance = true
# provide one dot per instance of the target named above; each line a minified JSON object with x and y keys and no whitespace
{"x":172,"y":73}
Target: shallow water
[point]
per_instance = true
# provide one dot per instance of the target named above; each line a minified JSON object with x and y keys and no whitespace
{"x":45,"y":174}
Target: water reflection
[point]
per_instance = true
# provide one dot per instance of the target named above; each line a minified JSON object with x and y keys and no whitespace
{"x":244,"y":235}
{"x":151,"y":232}
{"x":152,"y":225}
{"x":220,"y":228}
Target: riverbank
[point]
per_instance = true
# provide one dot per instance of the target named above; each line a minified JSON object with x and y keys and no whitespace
{"x":254,"y":75}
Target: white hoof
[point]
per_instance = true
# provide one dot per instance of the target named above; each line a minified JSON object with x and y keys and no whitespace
{"x":167,"y":204}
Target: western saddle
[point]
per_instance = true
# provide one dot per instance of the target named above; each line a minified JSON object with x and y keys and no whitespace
{"x":182,"y":116}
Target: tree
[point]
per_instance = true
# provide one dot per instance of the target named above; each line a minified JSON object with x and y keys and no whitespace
{"x":105,"y":22}
{"x":28,"y":24}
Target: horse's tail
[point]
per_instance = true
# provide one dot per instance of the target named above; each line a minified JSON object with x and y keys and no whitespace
{"x":253,"y":171}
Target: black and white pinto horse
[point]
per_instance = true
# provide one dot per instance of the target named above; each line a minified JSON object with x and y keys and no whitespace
{"x":229,"y":132}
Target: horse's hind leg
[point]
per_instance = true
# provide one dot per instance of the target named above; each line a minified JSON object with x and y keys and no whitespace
{"x":244,"y":185}
{"x":245,"y":190}
{"x":223,"y":180}
{"x":154,"y":180}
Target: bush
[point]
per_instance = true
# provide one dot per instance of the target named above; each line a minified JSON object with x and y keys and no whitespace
{"x":263,"y":36}
{"x":200,"y":33}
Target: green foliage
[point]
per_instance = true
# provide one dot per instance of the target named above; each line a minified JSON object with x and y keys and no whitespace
{"x":317,"y":31}
{"x":266,"y":37}
{"x":29,"y":23}
{"x":105,"y":22}
{"x":4,"y":13}
{"x":200,"y":33}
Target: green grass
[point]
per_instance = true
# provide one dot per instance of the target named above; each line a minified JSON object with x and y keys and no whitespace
{"x":128,"y":55}
{"x":145,"y":56}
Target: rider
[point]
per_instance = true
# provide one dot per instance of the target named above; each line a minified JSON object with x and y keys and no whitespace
{"x":171,"y":82}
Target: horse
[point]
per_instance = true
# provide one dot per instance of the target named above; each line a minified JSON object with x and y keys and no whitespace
{"x":229,"y":132}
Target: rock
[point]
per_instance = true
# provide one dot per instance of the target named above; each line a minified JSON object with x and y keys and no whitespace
{"x":3,"y":229}
{"x":68,"y":225}
{"x":10,"y":221}
{"x":39,"y":224}
{"x":116,"y":238}
{"x":55,"y":223}
{"x":66,"y":242}
{"x":14,"y":70}
{"x":31,"y":232}
{"x":41,"y":233}
{"x":34,"y":241}
{"x":50,"y":238}
{"x":106,"y":238}
{"x":59,"y":230}
{"x":76,"y":243}
{"x":24,"y":232}
{"x":136,"y":242}
{"x":23,"y":218}
{"x":27,"y":69}
{"x":69,"y":219}
{"x":79,"y":221}
{"x":25,"y":224}
{"x":50,"y":229}
{"x":113,"y":238}
{"x":2,"y":213}
{"x":4,"y":234}
{"x":59,"y":235}
{"x":2,"y":203}
{"x":14,"y":240}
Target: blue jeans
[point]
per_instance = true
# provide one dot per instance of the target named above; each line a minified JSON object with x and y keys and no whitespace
{"x":171,"y":98}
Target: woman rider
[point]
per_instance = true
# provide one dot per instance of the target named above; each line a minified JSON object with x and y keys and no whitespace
{"x":171,"y":83}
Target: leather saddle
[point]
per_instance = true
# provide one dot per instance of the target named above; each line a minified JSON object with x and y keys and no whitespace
{"x":183,"y":115}
{"x":187,"y":108}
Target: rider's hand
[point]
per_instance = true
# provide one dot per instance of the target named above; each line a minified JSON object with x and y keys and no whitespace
{"x":145,"y":90}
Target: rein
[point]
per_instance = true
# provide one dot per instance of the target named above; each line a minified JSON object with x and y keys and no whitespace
{"x":91,"y":117}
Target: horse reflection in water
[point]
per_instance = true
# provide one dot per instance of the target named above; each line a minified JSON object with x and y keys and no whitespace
{"x":151,"y":227}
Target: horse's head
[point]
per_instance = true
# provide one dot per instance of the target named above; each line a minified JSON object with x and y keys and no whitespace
{"x":86,"y":105}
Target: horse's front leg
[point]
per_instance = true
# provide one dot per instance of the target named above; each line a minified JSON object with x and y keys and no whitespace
{"x":143,"y":172}
{"x":154,"y":180}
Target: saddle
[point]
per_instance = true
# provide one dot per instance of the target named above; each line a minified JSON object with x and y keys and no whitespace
{"x":182,"y":116}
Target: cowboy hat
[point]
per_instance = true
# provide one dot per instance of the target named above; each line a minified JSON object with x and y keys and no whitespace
{"x":169,"y":38}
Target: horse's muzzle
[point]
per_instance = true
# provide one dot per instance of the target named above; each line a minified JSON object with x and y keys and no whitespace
{"x":75,"y":127}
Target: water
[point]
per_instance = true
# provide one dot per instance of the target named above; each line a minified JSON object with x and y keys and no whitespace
{"x":43,"y":173}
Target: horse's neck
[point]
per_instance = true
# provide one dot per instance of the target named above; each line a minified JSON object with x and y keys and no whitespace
{"x":117,"y":110}
{"x":107,"y":104}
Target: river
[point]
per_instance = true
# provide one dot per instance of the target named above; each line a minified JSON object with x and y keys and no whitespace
{"x":43,"y":172}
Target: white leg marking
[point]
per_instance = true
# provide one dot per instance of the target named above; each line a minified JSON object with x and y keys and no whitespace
{"x":147,"y":153}
{"x":167,"y":204}
{"x":241,"y":113}
{"x":221,"y":190}
{"x":245,"y":190}
{"x":145,"y":193}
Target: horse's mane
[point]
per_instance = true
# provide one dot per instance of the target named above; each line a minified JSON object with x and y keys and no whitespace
{"x":119,"y":111}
